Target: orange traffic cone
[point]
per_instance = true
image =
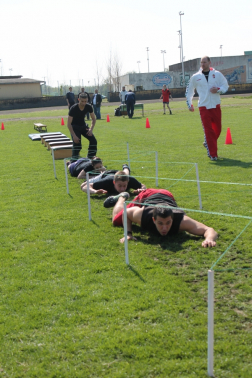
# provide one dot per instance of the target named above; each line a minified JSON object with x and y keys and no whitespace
{"x":147,"y":123}
{"x":62,"y":122}
{"x":108,"y":120}
{"x":2,"y":127}
{"x":228,"y":137}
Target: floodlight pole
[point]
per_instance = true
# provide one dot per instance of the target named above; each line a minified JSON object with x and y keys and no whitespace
{"x":182,"y":54}
{"x":221,"y":50}
{"x":138,"y":62}
{"x":147,"y":49}
{"x":163,"y":52}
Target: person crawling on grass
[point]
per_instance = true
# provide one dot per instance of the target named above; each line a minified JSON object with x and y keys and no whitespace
{"x":114,"y":182}
{"x":80,"y":167}
{"x":162,"y":221}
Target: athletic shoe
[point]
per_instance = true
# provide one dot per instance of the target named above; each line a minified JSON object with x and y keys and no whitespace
{"x":112,"y":200}
{"x":214,"y":158}
{"x":164,"y":114}
{"x":170,"y":112}
{"x":126,"y":166}
{"x":204,"y":144}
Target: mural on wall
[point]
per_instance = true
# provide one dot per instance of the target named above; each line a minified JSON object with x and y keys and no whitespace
{"x":235,"y":75}
{"x":249,"y":69}
{"x":187,"y":78}
{"x":161,"y":79}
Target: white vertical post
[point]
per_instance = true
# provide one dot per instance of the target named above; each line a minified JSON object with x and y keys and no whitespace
{"x":156,"y":168}
{"x":66,"y":176}
{"x":88,"y":194}
{"x":54,"y":168}
{"x":210,"y":349}
{"x":198,"y":185}
{"x":125,"y":233}
{"x":128,"y":154}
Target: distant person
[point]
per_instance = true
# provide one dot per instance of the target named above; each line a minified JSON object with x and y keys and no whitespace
{"x":209,"y":84}
{"x":159,"y":219}
{"x":114,"y":182}
{"x":130,"y":100}
{"x":70,"y":98}
{"x":96,"y":102}
{"x":122,"y":95}
{"x":166,"y":95}
{"x":77,"y":127}
{"x":80,"y":167}
{"x":89,"y":101}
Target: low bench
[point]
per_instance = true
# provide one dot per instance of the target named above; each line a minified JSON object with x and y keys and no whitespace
{"x":123,"y":108}
{"x":62,"y":143}
{"x":40,"y":127}
{"x":57,"y":138}
{"x":61,"y":152}
{"x":50,"y":135}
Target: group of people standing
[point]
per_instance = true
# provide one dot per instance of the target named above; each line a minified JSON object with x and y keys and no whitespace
{"x":96,"y":101}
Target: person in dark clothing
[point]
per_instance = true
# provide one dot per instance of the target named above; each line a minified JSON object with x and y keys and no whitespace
{"x":80,"y":167}
{"x":70,"y":98}
{"x":96,"y":102}
{"x":89,"y":101}
{"x":159,"y":219}
{"x":130,"y":100}
{"x":77,"y":127}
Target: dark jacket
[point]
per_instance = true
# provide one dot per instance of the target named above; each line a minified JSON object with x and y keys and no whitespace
{"x":130,"y":98}
{"x":98,"y":99}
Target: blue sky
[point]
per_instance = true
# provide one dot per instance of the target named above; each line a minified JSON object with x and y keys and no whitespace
{"x":68,"y":40}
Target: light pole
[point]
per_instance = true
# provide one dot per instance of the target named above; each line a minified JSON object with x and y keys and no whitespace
{"x":179,"y":33}
{"x":163,"y":52}
{"x":138,"y":62}
{"x":221,"y":50}
{"x":10,"y":69}
{"x":147,"y":49}
{"x":181,"y":39}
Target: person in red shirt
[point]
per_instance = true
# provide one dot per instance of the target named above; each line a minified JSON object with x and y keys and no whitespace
{"x":166,"y":95}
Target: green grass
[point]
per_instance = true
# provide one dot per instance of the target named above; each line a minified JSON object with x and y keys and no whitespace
{"x":69,"y":305}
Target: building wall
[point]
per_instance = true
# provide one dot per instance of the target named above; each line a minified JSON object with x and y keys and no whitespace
{"x":236,"y":69}
{"x":22,"y":90}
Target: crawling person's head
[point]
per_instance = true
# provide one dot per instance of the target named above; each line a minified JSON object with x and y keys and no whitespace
{"x":121,"y":181}
{"x":162,"y":218}
{"x":97,"y":163}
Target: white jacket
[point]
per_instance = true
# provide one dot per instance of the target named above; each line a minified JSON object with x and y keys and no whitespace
{"x":206,"y":98}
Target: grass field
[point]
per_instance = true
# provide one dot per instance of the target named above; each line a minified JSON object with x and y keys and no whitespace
{"x":71,"y":307}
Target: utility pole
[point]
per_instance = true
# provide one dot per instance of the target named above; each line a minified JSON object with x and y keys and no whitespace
{"x":182,"y":55}
{"x":138,"y":62}
{"x":221,"y":50}
{"x":163,"y":52}
{"x":147,"y":49}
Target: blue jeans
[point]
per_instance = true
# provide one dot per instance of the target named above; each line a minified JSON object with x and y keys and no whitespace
{"x":97,"y":111}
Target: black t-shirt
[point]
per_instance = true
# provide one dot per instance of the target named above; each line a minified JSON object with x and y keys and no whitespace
{"x":79,"y":115}
{"x":147,"y":222}
{"x":206,"y":74}
{"x":106,"y":183}
{"x":70,"y":97}
{"x":79,"y":165}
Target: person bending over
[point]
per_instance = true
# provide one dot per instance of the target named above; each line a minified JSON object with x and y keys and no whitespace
{"x":157,"y":220}
{"x":110,"y":182}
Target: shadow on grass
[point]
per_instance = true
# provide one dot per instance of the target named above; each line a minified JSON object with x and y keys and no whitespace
{"x":233,"y":162}
{"x":136,"y":273}
{"x":172,"y":244}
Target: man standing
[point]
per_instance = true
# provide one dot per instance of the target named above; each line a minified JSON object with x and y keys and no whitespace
{"x":209,"y":84}
{"x":77,"y":127}
{"x":89,"y":102}
{"x":122,"y":95}
{"x":130,"y":100}
{"x":166,"y":95}
{"x":70,"y":98}
{"x":96,"y":102}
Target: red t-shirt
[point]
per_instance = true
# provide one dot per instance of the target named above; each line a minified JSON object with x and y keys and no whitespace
{"x":166,"y":95}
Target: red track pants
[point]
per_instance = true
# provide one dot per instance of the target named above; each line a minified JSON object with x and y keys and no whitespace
{"x":211,"y":121}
